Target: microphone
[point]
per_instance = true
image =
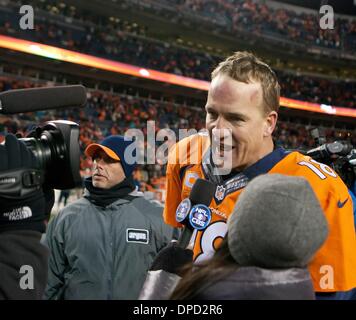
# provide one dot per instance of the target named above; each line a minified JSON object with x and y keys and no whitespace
{"x":193,"y":212}
{"x":35,"y":99}
{"x":166,"y":270}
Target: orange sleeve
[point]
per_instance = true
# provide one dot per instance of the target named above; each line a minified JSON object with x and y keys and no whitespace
{"x":333,"y":267}
{"x":173,"y":195}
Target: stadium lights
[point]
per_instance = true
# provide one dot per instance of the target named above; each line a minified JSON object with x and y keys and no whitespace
{"x":119,"y":67}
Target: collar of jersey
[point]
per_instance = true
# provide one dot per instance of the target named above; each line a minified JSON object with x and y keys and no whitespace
{"x":262,"y":166}
{"x":265,"y":164}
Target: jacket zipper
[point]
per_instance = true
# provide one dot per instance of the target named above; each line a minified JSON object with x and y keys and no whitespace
{"x":112,"y":253}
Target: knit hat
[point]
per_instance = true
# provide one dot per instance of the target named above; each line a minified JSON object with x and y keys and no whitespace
{"x":277,"y":222}
{"x":115,"y":147}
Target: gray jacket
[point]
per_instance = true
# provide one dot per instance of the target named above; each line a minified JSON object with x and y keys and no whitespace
{"x":104,"y":253}
{"x":253,"y":283}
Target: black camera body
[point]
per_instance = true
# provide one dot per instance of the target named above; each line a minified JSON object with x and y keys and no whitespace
{"x":55,"y":145}
{"x":340,"y":155}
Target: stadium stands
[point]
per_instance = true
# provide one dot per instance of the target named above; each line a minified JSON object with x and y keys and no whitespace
{"x":259,"y":18}
{"x":113,"y":40}
{"x":77,"y":29}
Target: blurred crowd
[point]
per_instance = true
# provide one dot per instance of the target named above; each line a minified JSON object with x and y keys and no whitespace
{"x":260,"y":19}
{"x":110,"y":113}
{"x":113,"y":39}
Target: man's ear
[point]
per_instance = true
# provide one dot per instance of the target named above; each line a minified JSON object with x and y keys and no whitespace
{"x":270,"y":124}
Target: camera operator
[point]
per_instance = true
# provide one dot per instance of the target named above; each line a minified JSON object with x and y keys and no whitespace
{"x":24,"y":209}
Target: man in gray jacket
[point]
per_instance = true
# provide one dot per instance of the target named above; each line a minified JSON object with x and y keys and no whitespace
{"x":103,"y":244}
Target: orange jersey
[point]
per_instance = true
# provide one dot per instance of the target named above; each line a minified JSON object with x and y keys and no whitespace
{"x":334,"y":266}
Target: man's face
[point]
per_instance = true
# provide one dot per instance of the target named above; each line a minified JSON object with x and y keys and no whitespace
{"x":237,"y":106}
{"x":107,"y":172}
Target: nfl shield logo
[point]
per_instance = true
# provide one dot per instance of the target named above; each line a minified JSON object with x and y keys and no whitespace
{"x":220,"y":193}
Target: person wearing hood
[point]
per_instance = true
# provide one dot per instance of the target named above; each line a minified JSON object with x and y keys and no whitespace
{"x":274,"y":232}
{"x":24,"y":210}
{"x":103,"y":244}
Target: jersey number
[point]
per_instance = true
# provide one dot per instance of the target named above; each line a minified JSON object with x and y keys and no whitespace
{"x":319,"y":169}
{"x":210,"y":234}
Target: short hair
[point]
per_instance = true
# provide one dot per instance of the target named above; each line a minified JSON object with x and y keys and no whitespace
{"x":245,"y":67}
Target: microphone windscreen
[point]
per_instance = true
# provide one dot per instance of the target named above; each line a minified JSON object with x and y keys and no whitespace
{"x":202,"y":192}
{"x":35,"y":99}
